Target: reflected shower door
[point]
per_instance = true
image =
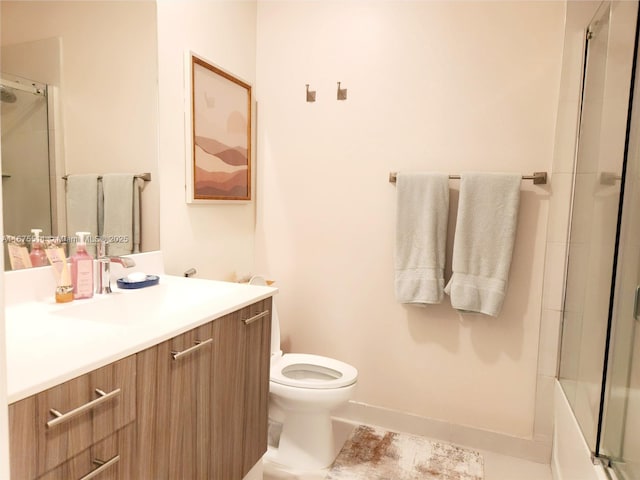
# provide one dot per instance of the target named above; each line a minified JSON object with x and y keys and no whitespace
{"x":26,"y":187}
{"x":595,"y":205}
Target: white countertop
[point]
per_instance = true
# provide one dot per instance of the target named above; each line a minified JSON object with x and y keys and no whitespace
{"x":49,"y":343}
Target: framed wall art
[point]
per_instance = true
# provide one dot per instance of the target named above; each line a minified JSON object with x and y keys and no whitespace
{"x":219,"y":134}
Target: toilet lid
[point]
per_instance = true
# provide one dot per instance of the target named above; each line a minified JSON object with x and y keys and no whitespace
{"x":312,"y":371}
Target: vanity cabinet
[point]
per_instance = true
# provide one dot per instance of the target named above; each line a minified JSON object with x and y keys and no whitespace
{"x":50,"y":429}
{"x":203,"y":399}
{"x":192,"y":407}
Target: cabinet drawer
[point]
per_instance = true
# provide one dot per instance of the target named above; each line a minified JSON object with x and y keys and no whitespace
{"x":57,"y":424}
{"x":109,"y":459}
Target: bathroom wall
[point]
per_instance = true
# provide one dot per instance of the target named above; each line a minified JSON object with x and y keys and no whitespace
{"x":215,"y":239}
{"x":429,"y":88}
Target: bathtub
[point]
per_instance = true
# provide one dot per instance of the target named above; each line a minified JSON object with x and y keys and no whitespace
{"x":570,"y":456}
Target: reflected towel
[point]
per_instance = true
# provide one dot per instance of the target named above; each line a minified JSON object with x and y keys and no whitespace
{"x":82,"y":207}
{"x":483,"y":243}
{"x":118,"y":228}
{"x":138,"y":185}
{"x":421,"y":237}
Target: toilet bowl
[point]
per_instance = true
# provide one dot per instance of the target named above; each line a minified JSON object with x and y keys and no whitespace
{"x":303,"y":390}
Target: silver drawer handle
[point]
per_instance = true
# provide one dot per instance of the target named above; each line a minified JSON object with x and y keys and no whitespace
{"x":249,"y":321}
{"x":198,"y":344}
{"x":102,"y":467}
{"x":63,"y":417}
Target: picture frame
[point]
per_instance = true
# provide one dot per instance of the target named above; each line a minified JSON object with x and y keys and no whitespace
{"x":219,"y":136}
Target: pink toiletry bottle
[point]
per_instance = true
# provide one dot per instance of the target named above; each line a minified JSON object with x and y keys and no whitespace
{"x":38,"y":256}
{"x":82,"y":269}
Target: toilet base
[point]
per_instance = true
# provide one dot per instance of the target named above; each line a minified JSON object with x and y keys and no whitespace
{"x":306,"y":441}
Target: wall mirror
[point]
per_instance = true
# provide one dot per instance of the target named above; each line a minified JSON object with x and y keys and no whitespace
{"x":79,"y":95}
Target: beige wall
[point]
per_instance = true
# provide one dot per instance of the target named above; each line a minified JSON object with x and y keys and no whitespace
{"x":215,"y":239}
{"x":430,"y":87}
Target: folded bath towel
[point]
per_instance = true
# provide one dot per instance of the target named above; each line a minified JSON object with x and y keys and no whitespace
{"x":118,"y":212}
{"x":82,"y":207}
{"x":421,"y":236}
{"x":483,"y":243}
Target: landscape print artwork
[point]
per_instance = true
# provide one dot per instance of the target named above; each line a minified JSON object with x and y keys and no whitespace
{"x":221,"y":139}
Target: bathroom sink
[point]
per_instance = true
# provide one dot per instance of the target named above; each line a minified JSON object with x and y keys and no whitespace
{"x":145,"y":305}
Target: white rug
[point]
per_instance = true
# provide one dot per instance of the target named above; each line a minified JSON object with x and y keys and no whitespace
{"x":373,"y":453}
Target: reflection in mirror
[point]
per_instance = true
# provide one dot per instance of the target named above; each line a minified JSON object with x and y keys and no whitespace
{"x":25,"y":157}
{"x":94,"y":66}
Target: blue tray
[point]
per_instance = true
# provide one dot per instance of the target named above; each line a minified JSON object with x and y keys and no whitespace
{"x":150,"y":281}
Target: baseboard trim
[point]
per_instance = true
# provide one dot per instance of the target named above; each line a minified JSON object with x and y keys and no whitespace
{"x":536,"y":450}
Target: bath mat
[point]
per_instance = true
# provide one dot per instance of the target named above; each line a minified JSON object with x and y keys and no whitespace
{"x":373,"y":453}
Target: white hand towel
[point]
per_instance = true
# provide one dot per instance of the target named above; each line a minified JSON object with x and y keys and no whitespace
{"x":421,"y":237}
{"x":118,"y":212}
{"x":82,"y":207}
{"x":483,"y":243}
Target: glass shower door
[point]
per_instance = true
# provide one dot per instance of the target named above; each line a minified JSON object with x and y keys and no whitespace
{"x":596,"y":194}
{"x":620,"y":437}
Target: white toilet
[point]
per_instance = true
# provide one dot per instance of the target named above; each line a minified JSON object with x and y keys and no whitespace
{"x":303,"y":390}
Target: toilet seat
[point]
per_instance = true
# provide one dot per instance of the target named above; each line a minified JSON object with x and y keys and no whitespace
{"x":303,"y":370}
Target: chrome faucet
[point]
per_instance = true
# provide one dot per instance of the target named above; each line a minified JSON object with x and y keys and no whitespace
{"x":103,"y":277}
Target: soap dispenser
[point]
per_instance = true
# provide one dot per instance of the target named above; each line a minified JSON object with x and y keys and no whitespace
{"x":82,"y":269}
{"x":38,"y":256}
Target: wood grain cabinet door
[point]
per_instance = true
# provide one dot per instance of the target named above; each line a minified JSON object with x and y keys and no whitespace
{"x":256,"y":321}
{"x":228,"y":398}
{"x":241,"y":390}
{"x":174,"y":407}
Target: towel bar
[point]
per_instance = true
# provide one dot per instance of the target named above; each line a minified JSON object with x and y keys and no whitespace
{"x":539,"y":178}
{"x":144,"y":176}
